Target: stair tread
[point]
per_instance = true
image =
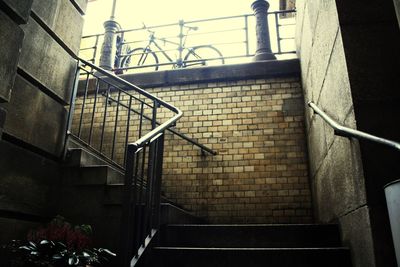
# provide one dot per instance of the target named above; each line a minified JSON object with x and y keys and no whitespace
{"x":250,"y":225}
{"x":250,"y":235}
{"x":252,"y":249}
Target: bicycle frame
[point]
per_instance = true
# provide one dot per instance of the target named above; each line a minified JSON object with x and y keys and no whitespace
{"x":178,"y":63}
{"x":181,"y":61}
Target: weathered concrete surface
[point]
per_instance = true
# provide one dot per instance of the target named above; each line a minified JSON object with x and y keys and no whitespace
{"x":19,"y":10}
{"x":397,"y":7}
{"x":12,"y":37}
{"x":349,"y":52}
{"x":224,"y":73}
{"x":52,"y":66}
{"x":56,"y":14}
{"x":262,"y":69}
{"x":358,"y":223}
{"x":339,"y":181}
{"x":3,"y":114}
{"x":26,"y":182}
{"x":36,"y":118}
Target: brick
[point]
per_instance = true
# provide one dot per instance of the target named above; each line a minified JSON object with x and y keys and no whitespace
{"x":260,"y":173}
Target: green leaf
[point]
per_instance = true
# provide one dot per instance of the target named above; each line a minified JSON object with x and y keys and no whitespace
{"x":73,"y":260}
{"x":108,"y":252}
{"x":25,"y":248}
{"x":57,"y":256}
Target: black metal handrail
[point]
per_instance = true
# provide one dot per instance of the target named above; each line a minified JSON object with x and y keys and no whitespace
{"x":341,"y":130}
{"x":175,"y":132}
{"x":158,"y":101}
{"x":143,"y":158}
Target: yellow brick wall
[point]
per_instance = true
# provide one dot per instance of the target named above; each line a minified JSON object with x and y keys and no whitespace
{"x":260,"y":173}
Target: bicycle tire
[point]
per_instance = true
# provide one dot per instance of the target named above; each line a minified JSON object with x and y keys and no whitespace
{"x":140,"y":57}
{"x":201,"y":53}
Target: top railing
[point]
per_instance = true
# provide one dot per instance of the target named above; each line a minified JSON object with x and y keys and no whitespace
{"x":95,"y":120}
{"x":183,"y":44}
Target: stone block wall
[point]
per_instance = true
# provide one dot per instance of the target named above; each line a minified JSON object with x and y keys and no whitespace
{"x":39,"y":41}
{"x":347,"y":64}
{"x":255,"y":124}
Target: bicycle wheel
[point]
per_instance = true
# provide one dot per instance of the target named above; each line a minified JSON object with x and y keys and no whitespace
{"x":203,"y":55}
{"x":141,"y":60}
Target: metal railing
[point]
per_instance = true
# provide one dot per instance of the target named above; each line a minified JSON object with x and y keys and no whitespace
{"x":142,"y":159}
{"x":109,"y":113}
{"x":235,"y":41}
{"x":202,"y":147}
{"x":348,"y":132}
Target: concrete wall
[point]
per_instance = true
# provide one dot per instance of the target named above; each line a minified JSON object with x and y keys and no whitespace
{"x":39,"y":39}
{"x":251,"y":115}
{"x":397,"y":6}
{"x":347,"y":52}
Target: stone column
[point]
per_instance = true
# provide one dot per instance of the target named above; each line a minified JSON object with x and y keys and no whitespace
{"x":397,"y":8}
{"x":263,"y":52}
{"x":108,"y":49}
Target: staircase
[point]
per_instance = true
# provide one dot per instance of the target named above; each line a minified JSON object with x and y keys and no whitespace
{"x":127,"y":209}
{"x":92,"y":192}
{"x":189,"y":245}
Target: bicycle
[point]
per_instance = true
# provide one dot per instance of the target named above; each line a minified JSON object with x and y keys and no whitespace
{"x":142,"y":57}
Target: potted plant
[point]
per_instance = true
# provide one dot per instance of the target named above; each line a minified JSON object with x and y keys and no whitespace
{"x":57,"y":244}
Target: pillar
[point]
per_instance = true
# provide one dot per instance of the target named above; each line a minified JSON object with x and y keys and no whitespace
{"x":108,"y":49}
{"x":263,"y":52}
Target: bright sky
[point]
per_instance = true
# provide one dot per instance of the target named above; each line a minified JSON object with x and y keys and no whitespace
{"x":131,"y":13}
{"x":227,"y":36}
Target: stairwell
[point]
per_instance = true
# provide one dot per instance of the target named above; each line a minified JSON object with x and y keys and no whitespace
{"x":185,"y":240}
{"x":249,"y":245}
{"x":114,"y":167}
{"x":92,"y":192}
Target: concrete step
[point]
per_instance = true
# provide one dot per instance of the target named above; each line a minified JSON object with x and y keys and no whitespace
{"x":93,"y":175}
{"x":79,"y":157}
{"x":251,"y":236}
{"x":170,"y":213}
{"x":250,"y":257}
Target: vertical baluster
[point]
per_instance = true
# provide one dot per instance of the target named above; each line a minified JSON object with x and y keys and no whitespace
{"x":115,"y":125}
{"x":83,"y":104}
{"x":154,"y":115}
{"x":157,"y":181}
{"x":73,"y":98}
{"x":278,"y":36}
{"x":71,"y":107}
{"x":140,"y":216}
{"x":141,"y":201}
{"x":152,"y":168}
{"x":94,"y":110}
{"x":128,"y":211}
{"x":137,"y":204}
{"x":141,"y":119}
{"x":96,"y":44}
{"x":149,"y":188}
{"x":246,"y":32}
{"x":104,"y":117}
{"x":127,"y":128}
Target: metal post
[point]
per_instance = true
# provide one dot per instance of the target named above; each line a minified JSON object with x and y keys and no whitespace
{"x":263,"y":52}
{"x":108,"y":49}
{"x":180,"y":48}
